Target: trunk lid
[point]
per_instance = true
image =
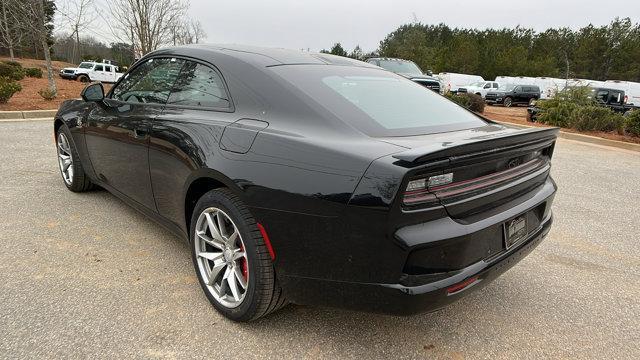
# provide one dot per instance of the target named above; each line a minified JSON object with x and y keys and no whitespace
{"x":473,"y":172}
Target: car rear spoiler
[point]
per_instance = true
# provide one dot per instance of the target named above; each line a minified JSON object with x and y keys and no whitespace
{"x":441,"y":153}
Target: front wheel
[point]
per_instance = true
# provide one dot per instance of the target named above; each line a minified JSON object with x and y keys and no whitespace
{"x":508,"y":102}
{"x":83,"y":78}
{"x":71,"y":169}
{"x":232,"y":261}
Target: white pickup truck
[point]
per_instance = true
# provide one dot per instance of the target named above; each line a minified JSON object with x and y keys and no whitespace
{"x":92,"y":71}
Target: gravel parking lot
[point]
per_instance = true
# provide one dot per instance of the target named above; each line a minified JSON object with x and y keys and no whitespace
{"x":84,"y":276}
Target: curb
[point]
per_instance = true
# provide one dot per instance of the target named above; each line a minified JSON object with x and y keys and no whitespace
{"x":28,"y":115}
{"x":585,"y":138}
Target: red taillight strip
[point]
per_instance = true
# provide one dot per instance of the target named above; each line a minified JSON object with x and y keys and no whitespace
{"x":267,"y":242}
{"x":487,"y":180}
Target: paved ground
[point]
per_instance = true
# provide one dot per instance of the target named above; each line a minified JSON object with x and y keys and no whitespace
{"x":85,"y":276}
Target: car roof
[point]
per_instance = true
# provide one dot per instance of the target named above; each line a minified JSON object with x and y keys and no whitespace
{"x":261,"y":56}
{"x":388,"y":58}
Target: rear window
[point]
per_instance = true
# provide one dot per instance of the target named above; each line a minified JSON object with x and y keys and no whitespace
{"x":376,"y":102}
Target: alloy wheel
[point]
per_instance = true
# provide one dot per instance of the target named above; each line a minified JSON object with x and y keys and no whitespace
{"x":221,"y":257}
{"x":65,"y":158}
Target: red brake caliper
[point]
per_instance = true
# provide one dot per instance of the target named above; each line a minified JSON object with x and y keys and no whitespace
{"x":243,"y":265}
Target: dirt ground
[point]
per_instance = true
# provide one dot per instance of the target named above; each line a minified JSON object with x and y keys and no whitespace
{"x":29,"y":99}
{"x":518,"y":115}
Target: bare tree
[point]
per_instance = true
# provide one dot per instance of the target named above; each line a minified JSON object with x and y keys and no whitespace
{"x":187,"y":32}
{"x":10,"y":32}
{"x":78,"y":15}
{"x":148,"y":24}
{"x":34,"y":9}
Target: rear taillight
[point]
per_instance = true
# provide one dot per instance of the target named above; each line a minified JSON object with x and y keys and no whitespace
{"x":425,"y":190}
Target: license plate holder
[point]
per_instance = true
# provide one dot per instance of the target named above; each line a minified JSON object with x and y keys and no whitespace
{"x":515,"y":230}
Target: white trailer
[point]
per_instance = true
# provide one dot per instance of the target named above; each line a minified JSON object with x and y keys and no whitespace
{"x":454,"y":81}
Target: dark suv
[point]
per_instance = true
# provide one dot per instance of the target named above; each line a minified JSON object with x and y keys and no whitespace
{"x":408,"y":69}
{"x":510,"y":94}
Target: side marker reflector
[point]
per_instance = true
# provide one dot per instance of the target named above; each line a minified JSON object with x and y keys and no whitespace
{"x":267,"y":242}
{"x":461,"y":285}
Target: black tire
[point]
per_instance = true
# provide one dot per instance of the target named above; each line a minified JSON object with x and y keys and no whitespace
{"x":80,"y":182}
{"x":263,"y":294}
{"x":83,"y":78}
{"x":508,"y":102}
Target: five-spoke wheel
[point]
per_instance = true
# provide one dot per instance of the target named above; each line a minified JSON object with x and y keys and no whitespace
{"x":221,"y":257}
{"x":65,"y":158}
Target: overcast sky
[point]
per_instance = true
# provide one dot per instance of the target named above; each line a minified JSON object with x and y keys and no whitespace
{"x":317,"y":24}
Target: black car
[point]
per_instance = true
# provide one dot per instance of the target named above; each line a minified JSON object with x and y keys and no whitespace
{"x":509,"y":95}
{"x":310,"y":178}
{"x":408,"y":69}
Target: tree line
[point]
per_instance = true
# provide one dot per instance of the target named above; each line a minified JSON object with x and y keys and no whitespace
{"x":593,"y":52}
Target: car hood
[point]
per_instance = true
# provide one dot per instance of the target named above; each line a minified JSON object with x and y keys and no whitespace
{"x":415,"y":76}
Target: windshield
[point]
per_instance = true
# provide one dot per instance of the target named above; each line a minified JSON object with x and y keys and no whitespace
{"x":506,"y":87}
{"x":478,"y":84}
{"x":397,"y":66}
{"x":376,"y":102}
{"x":85,"y":65}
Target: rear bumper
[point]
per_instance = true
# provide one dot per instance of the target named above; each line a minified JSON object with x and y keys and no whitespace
{"x":429,"y":292}
{"x":398,"y":299}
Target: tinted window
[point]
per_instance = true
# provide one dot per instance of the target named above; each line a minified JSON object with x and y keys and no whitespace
{"x":149,"y":82}
{"x":98,"y":68}
{"x":199,"y":85}
{"x":495,"y":85}
{"x":107,"y":68}
{"x":378,"y":103}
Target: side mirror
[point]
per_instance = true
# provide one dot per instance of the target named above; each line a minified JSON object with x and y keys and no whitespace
{"x":429,"y":72}
{"x":93,"y":92}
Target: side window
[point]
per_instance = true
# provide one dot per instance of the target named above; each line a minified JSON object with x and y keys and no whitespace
{"x":199,"y":85}
{"x":150,"y":82}
{"x":602,"y":96}
{"x":98,"y":68}
{"x":495,"y":85}
{"x":487,"y":85}
{"x":518,"y":89}
{"x":107,"y":68}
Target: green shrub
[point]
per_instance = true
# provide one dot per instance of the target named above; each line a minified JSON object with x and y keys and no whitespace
{"x":476,"y":103}
{"x":632,"y":122}
{"x":472,"y":102}
{"x":596,"y":118}
{"x":11,"y":71}
{"x":7,"y":89}
{"x":556,"y":113}
{"x":47,"y":94}
{"x":33,"y":72}
{"x":13,"y":63}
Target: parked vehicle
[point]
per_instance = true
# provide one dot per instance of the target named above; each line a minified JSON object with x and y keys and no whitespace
{"x":408,"y":69}
{"x":480,"y":88}
{"x":453,"y":81}
{"x":92,"y":71}
{"x":509,"y":95}
{"x":612,"y":98}
{"x":631,"y":90}
{"x":548,"y":86}
{"x":311,"y":178}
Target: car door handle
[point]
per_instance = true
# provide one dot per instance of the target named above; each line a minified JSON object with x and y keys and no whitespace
{"x":139,"y":133}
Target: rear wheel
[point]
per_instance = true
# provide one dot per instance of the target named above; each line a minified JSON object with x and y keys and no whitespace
{"x":71,"y":169}
{"x":508,"y":102}
{"x":231,"y":259}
